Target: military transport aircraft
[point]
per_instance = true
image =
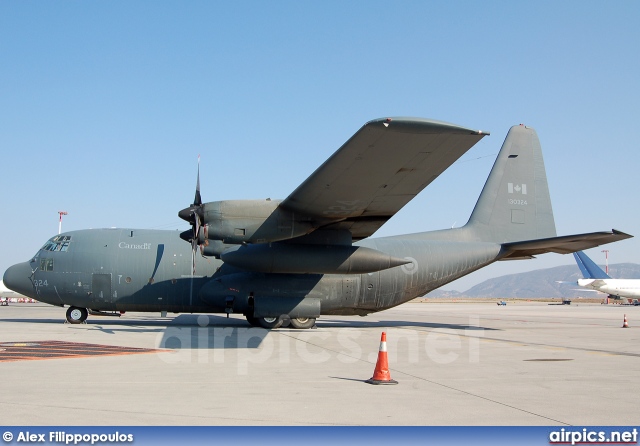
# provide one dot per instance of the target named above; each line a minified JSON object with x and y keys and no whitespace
{"x":308,"y":255}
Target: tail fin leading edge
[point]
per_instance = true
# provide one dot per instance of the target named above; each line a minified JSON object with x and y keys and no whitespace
{"x":515,"y":204}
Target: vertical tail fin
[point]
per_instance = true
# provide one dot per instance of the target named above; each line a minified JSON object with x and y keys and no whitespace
{"x":588,"y":267}
{"x":515,"y":204}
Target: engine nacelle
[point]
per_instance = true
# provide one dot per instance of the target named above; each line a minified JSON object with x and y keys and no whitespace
{"x":310,"y":259}
{"x":251,"y":221}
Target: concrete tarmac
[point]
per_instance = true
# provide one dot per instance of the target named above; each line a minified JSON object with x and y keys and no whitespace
{"x":528,"y":363}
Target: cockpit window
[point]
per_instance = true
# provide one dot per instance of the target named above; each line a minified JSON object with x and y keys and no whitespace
{"x":58,"y":243}
{"x":46,"y":264}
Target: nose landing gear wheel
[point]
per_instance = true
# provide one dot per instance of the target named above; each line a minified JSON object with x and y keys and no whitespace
{"x":76,"y":315}
{"x":303,"y":322}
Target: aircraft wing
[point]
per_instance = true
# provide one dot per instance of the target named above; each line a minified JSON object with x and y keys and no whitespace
{"x":561,"y":245}
{"x":379,"y":170}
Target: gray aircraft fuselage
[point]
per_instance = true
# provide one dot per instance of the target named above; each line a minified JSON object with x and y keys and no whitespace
{"x":150,"y":270}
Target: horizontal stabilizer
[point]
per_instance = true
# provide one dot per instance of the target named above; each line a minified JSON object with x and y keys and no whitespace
{"x":561,"y":245}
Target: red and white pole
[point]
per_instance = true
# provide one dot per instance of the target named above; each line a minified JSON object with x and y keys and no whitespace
{"x":606,"y":266}
{"x":60,"y":222}
{"x":606,"y":261}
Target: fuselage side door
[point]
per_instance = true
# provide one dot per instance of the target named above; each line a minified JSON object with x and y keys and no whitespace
{"x":101,"y":290}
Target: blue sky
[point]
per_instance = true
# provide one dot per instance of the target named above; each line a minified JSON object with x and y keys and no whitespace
{"x":105,"y":106}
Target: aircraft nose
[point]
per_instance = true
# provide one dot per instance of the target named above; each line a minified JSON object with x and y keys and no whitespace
{"x":17,"y":278}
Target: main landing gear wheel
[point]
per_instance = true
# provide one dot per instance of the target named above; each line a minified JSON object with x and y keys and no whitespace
{"x":270,"y":322}
{"x":303,"y":322}
{"x":76,"y":315}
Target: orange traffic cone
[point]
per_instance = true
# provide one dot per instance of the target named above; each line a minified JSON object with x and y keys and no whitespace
{"x":625,"y":324}
{"x":381,"y":373}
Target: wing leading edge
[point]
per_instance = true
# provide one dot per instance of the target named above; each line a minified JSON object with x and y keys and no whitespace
{"x":379,"y":170}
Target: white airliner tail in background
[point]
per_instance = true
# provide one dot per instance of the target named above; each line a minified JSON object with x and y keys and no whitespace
{"x":597,"y":280}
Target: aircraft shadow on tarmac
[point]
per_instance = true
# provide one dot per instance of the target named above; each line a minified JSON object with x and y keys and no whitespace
{"x":201,"y":331}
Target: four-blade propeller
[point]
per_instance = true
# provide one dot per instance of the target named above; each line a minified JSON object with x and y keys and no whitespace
{"x":194,"y":214}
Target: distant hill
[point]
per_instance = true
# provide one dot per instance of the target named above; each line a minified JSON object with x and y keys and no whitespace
{"x":540,"y":283}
